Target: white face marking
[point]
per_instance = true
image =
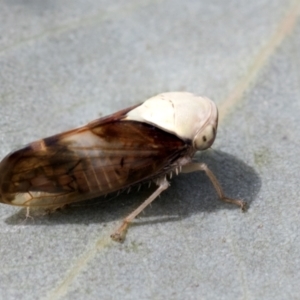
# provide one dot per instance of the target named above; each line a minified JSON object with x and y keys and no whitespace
{"x":183,"y":114}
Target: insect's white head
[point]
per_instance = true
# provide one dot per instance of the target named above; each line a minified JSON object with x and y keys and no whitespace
{"x":187,"y":116}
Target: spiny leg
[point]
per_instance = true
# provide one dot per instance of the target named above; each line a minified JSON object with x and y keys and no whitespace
{"x":119,"y":234}
{"x":193,"y":166}
{"x":53,"y":209}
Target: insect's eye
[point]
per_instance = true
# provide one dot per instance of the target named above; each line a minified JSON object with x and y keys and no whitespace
{"x":205,"y":138}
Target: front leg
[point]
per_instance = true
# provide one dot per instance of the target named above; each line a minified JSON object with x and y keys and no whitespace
{"x":193,"y":166}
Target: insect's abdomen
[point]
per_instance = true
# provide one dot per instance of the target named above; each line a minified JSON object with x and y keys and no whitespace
{"x":85,"y":163}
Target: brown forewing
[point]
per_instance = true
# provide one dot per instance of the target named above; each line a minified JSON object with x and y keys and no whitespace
{"x":104,"y":156}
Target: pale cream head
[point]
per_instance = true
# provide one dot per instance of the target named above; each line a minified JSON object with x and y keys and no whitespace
{"x":187,"y":116}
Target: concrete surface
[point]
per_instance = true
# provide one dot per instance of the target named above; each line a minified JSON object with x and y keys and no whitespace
{"x":64,"y":63}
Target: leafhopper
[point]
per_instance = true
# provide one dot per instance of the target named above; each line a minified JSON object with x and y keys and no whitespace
{"x":146,"y":142}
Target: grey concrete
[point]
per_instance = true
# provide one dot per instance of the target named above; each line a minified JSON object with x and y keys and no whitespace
{"x":64,"y":63}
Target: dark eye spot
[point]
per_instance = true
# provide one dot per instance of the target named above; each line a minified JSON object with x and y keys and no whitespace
{"x":204,"y":138}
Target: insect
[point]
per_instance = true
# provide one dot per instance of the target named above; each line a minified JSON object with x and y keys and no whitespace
{"x":145,"y":142}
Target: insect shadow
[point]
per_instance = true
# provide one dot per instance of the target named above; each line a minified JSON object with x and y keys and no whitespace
{"x":188,"y":194}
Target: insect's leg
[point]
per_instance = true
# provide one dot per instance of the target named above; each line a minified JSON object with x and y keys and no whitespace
{"x":192,"y":167}
{"x":28,"y":212}
{"x":28,"y":216}
{"x":120,"y":233}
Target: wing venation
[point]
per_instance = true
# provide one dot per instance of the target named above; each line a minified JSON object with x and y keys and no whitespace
{"x":93,"y":160}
